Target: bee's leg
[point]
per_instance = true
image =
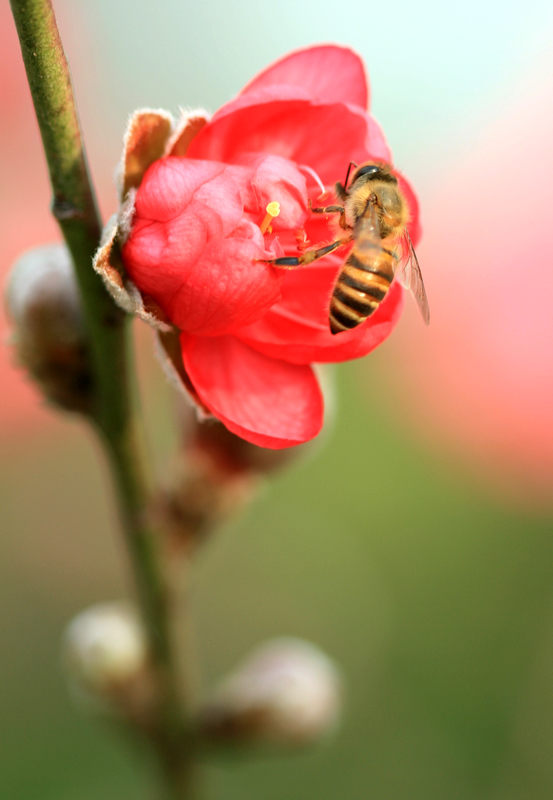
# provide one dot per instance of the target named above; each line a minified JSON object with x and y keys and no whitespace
{"x":326,"y":209}
{"x":307,"y":257}
{"x":340,"y":189}
{"x":331,"y":210}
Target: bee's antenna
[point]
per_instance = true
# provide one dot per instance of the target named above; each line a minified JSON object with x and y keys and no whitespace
{"x":351,"y":164}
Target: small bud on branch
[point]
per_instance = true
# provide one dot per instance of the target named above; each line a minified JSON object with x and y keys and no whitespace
{"x":49,"y":332}
{"x":105,"y":654}
{"x":287,"y":692}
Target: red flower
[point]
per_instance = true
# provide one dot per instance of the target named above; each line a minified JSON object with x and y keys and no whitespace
{"x":250,"y":331}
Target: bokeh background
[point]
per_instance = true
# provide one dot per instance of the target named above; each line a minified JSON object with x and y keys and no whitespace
{"x":415,"y":545}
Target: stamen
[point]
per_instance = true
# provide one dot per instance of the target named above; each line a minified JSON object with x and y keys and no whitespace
{"x":302,"y":242}
{"x":273,"y":210}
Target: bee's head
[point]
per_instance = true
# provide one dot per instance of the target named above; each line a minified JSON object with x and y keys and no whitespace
{"x":376,"y":180}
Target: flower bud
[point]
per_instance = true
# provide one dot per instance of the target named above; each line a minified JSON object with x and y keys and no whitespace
{"x":198,"y":496}
{"x":49,"y":334}
{"x":105,"y":653}
{"x":286,"y":693}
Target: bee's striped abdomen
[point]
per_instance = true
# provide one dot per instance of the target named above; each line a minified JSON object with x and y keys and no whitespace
{"x":361,"y":285}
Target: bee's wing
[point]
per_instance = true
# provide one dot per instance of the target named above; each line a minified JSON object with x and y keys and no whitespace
{"x":409,"y":275}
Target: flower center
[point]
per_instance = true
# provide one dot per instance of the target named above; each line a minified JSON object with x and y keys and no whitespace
{"x":273,"y":210}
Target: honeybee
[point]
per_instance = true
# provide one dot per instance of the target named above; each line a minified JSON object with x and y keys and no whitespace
{"x":374,"y":215}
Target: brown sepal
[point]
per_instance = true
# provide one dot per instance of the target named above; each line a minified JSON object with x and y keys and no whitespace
{"x":187,"y":127}
{"x":144,"y":142}
{"x":168,"y":351}
{"x":234,"y":455}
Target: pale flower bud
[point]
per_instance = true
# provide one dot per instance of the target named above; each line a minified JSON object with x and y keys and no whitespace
{"x":49,"y":335}
{"x":287,"y":692}
{"x":104,"y":651}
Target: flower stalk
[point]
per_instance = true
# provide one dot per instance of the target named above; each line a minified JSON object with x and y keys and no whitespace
{"x":75,"y":208}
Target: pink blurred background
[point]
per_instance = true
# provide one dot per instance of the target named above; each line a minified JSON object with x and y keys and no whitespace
{"x":24,"y":213}
{"x":479,"y":382}
{"x":25,"y":193}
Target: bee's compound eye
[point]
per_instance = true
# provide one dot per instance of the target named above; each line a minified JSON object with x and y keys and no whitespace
{"x":374,"y":172}
{"x":369,"y":169}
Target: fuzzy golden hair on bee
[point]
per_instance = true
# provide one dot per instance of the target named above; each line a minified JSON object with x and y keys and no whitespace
{"x":375,"y":179}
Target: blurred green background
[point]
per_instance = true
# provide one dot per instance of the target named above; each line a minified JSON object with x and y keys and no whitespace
{"x":436,"y":602}
{"x":430,"y":584}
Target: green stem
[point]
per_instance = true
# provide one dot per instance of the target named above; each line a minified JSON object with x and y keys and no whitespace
{"x":75,"y":208}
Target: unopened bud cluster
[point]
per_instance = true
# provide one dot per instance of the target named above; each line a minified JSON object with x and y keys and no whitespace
{"x":214,"y":475}
{"x":286,"y":693}
{"x":48,"y":329}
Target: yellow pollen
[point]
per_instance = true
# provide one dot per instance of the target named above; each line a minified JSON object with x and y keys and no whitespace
{"x":273,"y":210}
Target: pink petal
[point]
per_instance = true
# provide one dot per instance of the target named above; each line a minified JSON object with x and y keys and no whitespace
{"x":327,"y":72}
{"x":204,"y":283}
{"x":172,"y":184}
{"x":280,"y":121}
{"x":276,"y":179}
{"x":193,"y":250}
{"x":265,"y":401}
{"x":239,"y":288}
{"x":296,"y":329}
